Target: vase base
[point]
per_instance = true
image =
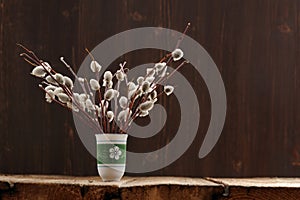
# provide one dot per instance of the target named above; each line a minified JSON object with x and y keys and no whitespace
{"x":109,"y":174}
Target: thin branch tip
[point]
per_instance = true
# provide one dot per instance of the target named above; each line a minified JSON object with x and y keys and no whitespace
{"x":23,"y":47}
{"x":91,"y":55}
{"x":19,"y":44}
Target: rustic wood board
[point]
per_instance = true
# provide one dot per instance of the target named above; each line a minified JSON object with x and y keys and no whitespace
{"x":61,"y":187}
{"x":273,"y":182}
{"x":66,"y":187}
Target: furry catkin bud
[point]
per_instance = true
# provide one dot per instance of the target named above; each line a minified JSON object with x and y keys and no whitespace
{"x":94,"y":84}
{"x":39,"y":71}
{"x":68,"y":82}
{"x":177,"y":54}
{"x":110,"y":115}
{"x":108,"y":76}
{"x":63,"y":97}
{"x":109,"y":94}
{"x":123,"y":101}
{"x":146,"y":106}
{"x":95,"y":66}
{"x":168,"y":89}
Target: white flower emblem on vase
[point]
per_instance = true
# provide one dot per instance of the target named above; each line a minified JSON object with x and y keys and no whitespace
{"x":115,"y":152}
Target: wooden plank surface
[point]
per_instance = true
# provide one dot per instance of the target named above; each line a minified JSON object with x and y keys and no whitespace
{"x":96,"y":180}
{"x":260,"y":188}
{"x":254,"y":43}
{"x":62,"y":187}
{"x":273,"y":182}
{"x":67,"y":187}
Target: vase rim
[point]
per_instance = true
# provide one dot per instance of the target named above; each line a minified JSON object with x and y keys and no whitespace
{"x":111,"y":137}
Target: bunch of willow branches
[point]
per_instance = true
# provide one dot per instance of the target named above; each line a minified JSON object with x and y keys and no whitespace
{"x":101,"y":105}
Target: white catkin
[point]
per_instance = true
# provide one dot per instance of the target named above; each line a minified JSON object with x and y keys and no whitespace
{"x":89,"y":105}
{"x":177,"y":54}
{"x":108,"y":76}
{"x":58,"y":90}
{"x":83,"y":97}
{"x":146,"y":106}
{"x":131,"y":86}
{"x":159,"y":66}
{"x":95,"y":66}
{"x":123,"y":101}
{"x":50,"y":80}
{"x":94,"y":84}
{"x":59,"y":78}
{"x":76,"y":96}
{"x":145,"y":87}
{"x":68,"y":82}
{"x":63,"y":97}
{"x":110,"y":115}
{"x":140,"y":80}
{"x":39,"y":71}
{"x":120,"y":75}
{"x":50,"y":87}
{"x":109,"y":94}
{"x":153,"y":95}
{"x":168,"y":89}
{"x":123,"y":115}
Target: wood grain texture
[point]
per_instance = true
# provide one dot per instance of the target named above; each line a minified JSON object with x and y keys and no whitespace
{"x":68,"y":187}
{"x":262,"y":193}
{"x":60,"y":187}
{"x":255,"y":45}
{"x":259,"y":188}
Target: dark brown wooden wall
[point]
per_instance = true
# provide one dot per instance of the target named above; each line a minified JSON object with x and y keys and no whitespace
{"x":255,"y":44}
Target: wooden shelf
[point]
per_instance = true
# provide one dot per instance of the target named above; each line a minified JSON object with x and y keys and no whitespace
{"x":66,"y":187}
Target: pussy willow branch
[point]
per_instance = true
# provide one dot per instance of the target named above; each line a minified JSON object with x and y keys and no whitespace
{"x":132,"y":99}
{"x":145,"y":97}
{"x":74,"y":74}
{"x":169,"y":57}
{"x":65,"y":106}
{"x":37,"y":62}
{"x":83,"y":88}
{"x":180,"y":40}
{"x":92,"y":96}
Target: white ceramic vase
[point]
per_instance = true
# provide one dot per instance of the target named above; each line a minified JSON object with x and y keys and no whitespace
{"x":111,"y":156}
